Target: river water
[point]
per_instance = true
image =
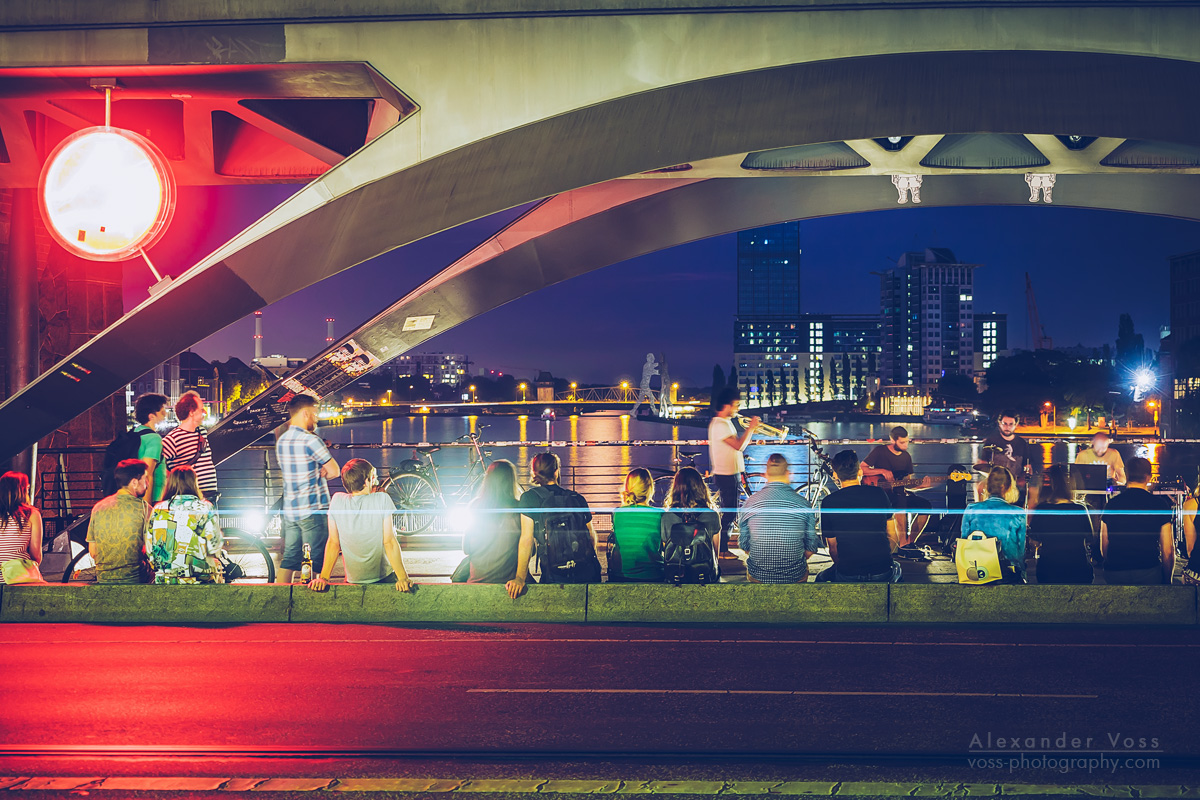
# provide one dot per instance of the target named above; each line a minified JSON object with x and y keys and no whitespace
{"x":615,"y":446}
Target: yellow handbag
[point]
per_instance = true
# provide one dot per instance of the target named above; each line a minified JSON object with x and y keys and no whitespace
{"x":21,"y":570}
{"x":977,"y":558}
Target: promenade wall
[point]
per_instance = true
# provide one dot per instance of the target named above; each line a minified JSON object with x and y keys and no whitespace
{"x":737,"y":604}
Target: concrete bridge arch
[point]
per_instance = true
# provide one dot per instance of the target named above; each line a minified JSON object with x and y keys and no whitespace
{"x":379,"y":198}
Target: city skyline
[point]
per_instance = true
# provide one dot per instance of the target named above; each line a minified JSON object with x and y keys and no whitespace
{"x":1077,"y":259}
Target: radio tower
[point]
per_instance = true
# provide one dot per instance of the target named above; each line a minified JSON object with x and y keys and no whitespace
{"x":328,"y":331}
{"x":257,"y":335}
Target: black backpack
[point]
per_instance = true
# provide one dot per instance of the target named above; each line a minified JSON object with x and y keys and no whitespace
{"x":688,"y":555}
{"x":566,"y":551}
{"x":125,"y":446}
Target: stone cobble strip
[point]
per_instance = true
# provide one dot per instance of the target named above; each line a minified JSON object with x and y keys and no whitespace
{"x":598,"y":786}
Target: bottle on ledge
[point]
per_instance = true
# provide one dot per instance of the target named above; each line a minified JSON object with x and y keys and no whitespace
{"x":306,"y":565}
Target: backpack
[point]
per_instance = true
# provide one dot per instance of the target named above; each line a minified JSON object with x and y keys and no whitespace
{"x":688,"y":555}
{"x":125,"y":446}
{"x":564,"y":541}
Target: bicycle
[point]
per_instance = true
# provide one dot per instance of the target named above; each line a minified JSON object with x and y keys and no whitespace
{"x":816,"y":488}
{"x":416,"y":489}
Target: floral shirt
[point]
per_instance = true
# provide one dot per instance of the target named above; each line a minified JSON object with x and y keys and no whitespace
{"x":183,"y":541}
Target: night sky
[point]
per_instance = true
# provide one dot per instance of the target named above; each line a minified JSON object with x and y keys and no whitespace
{"x":1087,"y":268}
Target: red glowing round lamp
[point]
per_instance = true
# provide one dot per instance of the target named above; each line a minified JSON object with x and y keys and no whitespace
{"x":106,"y":194}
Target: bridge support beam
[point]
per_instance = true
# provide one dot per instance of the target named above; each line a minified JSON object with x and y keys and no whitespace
{"x":23,"y":322}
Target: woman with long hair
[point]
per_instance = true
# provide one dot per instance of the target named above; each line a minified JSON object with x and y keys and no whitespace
{"x":493,"y":541}
{"x":1061,"y":529}
{"x":637,"y":532}
{"x":998,"y":516}
{"x":687,"y":510}
{"x":184,"y":539}
{"x":20,"y":522}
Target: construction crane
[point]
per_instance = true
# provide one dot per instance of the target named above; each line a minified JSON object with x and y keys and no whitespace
{"x":1040,"y":340}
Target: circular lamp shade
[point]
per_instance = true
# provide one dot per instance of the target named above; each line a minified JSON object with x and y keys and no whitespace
{"x":106,"y":193}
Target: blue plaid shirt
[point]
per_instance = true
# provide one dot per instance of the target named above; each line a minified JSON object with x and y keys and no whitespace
{"x":301,"y":455}
{"x":776,"y":526}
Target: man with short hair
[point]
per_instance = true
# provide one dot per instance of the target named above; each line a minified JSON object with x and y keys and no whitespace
{"x":857,"y":523}
{"x":777,"y":529}
{"x":116,"y":534}
{"x":306,"y":466}
{"x":1004,"y":448}
{"x":1101,"y":453}
{"x":894,"y":464}
{"x":149,"y":411}
{"x":1136,"y":535}
{"x":726,"y":459}
{"x":187,"y":445}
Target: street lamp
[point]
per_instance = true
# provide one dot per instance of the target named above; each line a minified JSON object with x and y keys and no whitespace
{"x":389,"y":397}
{"x":624,"y":391}
{"x":471,"y":389}
{"x":524,"y":387}
{"x":1154,"y":406}
{"x":574,"y":386}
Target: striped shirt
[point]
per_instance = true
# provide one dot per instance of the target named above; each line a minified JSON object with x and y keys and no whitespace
{"x":776,"y":526}
{"x":180,"y":447}
{"x":14,"y":540}
{"x":300,"y":456}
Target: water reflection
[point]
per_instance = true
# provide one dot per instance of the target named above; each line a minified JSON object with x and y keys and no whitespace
{"x":597,"y":471}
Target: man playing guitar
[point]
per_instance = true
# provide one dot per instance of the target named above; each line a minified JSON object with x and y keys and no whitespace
{"x":890,"y":466}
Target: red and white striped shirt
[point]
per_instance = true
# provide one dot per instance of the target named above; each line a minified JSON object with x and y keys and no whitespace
{"x":14,"y":540}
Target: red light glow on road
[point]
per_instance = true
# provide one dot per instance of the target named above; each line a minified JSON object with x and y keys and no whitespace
{"x":106,"y":193}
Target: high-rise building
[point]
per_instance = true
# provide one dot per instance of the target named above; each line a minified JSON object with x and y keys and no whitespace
{"x":1185,"y":297}
{"x":991,"y":338}
{"x":928,"y":319}
{"x":769,"y":272}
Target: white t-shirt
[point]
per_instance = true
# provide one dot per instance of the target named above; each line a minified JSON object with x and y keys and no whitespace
{"x":725,"y":460}
{"x":359,"y":520}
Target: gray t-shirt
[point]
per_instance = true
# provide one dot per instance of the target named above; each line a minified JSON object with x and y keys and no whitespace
{"x":359,"y":521}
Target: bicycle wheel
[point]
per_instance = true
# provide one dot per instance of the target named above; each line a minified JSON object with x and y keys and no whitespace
{"x":416,"y":502}
{"x":814,"y":492}
{"x":662,"y":488}
{"x":251,"y":556}
{"x":82,"y":563}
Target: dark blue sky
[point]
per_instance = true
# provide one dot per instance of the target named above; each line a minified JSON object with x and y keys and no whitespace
{"x":1087,"y":268}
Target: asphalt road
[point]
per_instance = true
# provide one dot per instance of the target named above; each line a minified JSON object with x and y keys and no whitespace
{"x":486,"y":689}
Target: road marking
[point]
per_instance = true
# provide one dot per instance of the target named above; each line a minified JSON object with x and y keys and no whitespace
{"x":791,"y":692}
{"x":594,"y":786}
{"x":492,"y":641}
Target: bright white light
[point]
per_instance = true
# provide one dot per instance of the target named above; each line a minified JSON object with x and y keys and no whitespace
{"x":460,"y":518}
{"x":106,"y":193}
{"x":1143,"y":380}
{"x":255,"y":522}
{"x":894,"y":139}
{"x":1072,"y":422}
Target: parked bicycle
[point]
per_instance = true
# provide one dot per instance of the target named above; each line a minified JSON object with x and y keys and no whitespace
{"x":417,"y":490}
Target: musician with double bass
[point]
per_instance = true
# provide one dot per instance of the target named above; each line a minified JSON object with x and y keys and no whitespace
{"x":890,"y":467}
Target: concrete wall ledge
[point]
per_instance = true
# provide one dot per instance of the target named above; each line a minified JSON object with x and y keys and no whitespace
{"x":434,"y":602}
{"x":1079,"y":605}
{"x":146,"y":604}
{"x":739,"y":603}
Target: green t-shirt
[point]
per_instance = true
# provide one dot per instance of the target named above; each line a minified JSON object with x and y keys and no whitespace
{"x":117,"y":528}
{"x":150,"y":446}
{"x":639,"y":538}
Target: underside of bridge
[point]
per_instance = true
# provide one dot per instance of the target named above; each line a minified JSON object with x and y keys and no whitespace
{"x":678,"y":143}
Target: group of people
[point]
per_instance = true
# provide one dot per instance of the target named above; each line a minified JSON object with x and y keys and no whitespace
{"x":160,"y":525}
